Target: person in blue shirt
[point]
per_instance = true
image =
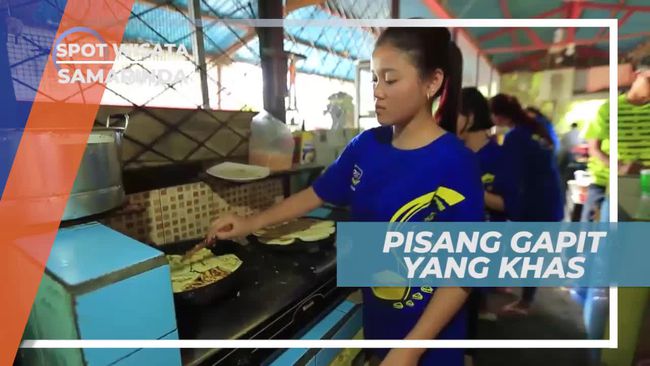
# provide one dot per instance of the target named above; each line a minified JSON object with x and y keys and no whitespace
{"x":411,"y":168}
{"x":533,"y":190}
{"x":547,"y":124}
{"x":473,"y":127}
{"x":474,"y":124}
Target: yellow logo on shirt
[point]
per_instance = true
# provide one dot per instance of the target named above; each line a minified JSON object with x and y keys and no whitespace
{"x":357,"y":173}
{"x":488,"y":181}
{"x":438,"y":197}
{"x":487,"y":178}
{"x":442,"y":198}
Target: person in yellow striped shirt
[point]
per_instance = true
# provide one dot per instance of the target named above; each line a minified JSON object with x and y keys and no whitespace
{"x":633,"y":139}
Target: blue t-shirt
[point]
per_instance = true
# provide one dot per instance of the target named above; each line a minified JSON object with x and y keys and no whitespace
{"x":532,"y":191}
{"x":548,"y":126}
{"x":493,"y":174}
{"x":438,"y":182}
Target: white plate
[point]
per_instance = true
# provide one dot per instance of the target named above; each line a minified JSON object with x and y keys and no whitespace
{"x":239,"y":172}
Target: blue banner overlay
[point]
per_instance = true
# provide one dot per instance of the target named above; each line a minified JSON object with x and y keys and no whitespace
{"x":27,"y":31}
{"x":493,"y":254}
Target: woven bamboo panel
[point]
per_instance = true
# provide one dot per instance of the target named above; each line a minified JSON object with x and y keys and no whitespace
{"x":164,"y":136}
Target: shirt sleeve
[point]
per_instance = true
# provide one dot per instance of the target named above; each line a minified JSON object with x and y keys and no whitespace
{"x":511,"y":184}
{"x":551,"y":132}
{"x":597,"y":128}
{"x":500,"y":172}
{"x":464,"y":179}
{"x":333,"y":186}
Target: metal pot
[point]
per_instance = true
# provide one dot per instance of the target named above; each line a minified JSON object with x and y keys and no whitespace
{"x":98,"y":186}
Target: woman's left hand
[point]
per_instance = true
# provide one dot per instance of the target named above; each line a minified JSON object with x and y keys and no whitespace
{"x":402,"y":357}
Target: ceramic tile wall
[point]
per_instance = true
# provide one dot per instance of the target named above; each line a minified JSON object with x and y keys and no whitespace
{"x":185,"y":212}
{"x":141,"y":218}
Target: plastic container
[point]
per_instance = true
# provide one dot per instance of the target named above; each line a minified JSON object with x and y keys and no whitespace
{"x":583,"y":178}
{"x":643,"y":210}
{"x":645,"y":181}
{"x":578,"y":192}
{"x":271,"y":143}
{"x":306,"y":150}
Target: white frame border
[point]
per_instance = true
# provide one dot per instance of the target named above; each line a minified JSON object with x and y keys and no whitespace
{"x":612,"y":342}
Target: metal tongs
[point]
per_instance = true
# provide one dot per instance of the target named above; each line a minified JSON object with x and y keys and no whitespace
{"x":203,"y":244}
{"x":207,"y":242}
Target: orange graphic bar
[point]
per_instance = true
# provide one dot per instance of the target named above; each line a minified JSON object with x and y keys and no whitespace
{"x":47,"y":159}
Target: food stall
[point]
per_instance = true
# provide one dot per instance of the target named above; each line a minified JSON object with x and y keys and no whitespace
{"x":147,"y":188}
{"x":108,"y":276}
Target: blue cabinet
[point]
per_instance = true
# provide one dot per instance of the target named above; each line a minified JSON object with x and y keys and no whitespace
{"x":344,"y":322}
{"x":100,"y":284}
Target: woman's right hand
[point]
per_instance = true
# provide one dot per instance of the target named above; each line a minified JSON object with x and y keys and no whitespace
{"x":230,"y":226}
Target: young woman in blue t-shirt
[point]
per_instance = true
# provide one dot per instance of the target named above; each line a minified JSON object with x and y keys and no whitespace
{"x":412,"y":168}
{"x":474,"y":124}
{"x":473,"y":127}
{"x":532,"y":191}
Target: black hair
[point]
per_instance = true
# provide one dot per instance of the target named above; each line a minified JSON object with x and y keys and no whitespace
{"x":430,"y":49}
{"x":508,"y":106}
{"x":472,"y":102}
{"x":642,"y":63}
{"x":536,"y":112}
{"x":574,"y":125}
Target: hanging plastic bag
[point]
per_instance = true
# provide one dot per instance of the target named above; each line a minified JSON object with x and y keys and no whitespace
{"x":271,"y":143}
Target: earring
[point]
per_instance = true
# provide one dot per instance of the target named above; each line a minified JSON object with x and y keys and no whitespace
{"x":428,"y":96}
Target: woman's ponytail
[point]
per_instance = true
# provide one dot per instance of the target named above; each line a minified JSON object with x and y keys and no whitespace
{"x":447,"y":113}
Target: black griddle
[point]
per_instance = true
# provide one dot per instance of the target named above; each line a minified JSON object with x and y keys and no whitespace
{"x":298,"y":245}
{"x":213,"y":292}
{"x":287,"y":293}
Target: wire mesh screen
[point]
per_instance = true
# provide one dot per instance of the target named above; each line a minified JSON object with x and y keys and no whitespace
{"x":171,"y":120}
{"x":28,"y":53}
